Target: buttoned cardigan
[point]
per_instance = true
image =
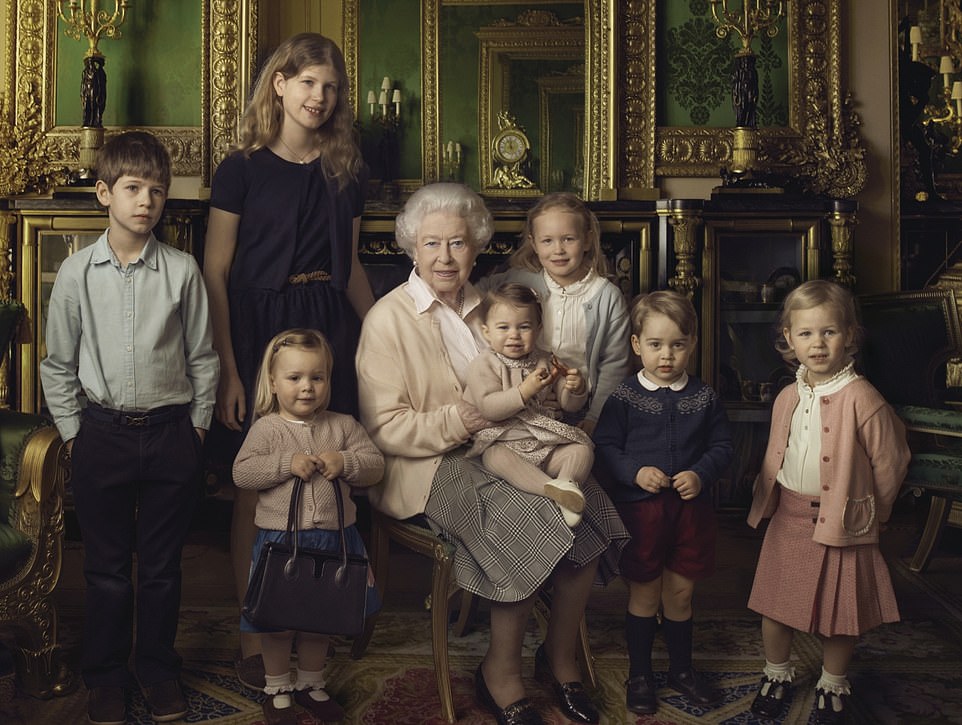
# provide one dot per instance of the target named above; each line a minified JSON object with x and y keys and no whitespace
{"x":864,"y":457}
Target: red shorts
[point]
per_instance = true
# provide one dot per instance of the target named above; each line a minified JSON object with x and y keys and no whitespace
{"x":668,"y":533}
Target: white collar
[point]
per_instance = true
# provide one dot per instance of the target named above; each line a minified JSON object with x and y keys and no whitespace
{"x":835,"y":383}
{"x":651,"y":385}
{"x":425,"y":297}
{"x":574,"y":289}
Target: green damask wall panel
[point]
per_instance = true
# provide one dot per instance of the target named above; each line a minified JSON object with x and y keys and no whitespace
{"x":153,"y":71}
{"x":389,"y":44}
{"x":694,"y":66}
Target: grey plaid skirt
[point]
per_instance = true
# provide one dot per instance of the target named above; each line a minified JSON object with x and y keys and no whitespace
{"x":508,"y":541}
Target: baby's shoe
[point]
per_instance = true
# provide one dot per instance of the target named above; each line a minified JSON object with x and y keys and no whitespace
{"x":829,"y":707}
{"x":568,"y":496}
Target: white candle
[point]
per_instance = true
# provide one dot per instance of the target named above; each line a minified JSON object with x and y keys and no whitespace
{"x":457,"y":148}
{"x":382,"y":102}
{"x":946,"y":68}
{"x":386,"y":84}
{"x":396,"y":100}
{"x":449,"y":151}
{"x":915,"y":40}
{"x":371,"y":99}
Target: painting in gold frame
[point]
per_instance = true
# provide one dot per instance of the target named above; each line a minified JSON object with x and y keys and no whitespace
{"x":33,"y":26}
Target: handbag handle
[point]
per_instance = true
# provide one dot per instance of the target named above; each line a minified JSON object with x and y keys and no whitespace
{"x":293,"y":517}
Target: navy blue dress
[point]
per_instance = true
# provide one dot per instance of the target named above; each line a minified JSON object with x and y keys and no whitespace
{"x":293,"y":220}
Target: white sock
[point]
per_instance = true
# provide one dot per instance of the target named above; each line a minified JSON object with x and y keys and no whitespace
{"x":313,"y":681}
{"x":783,"y":672}
{"x":836,"y":684}
{"x":280,"y":687}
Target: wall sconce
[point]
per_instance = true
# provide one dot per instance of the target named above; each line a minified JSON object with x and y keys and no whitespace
{"x":386,"y":111}
{"x":453,"y":160}
{"x":753,"y":18}
{"x":90,"y":23}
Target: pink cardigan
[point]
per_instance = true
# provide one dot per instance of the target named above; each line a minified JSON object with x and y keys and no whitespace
{"x":864,"y":460}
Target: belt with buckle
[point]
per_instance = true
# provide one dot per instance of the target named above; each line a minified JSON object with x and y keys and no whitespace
{"x":136,"y":419}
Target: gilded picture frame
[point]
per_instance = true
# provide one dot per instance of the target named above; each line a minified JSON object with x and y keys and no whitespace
{"x":822,"y":130}
{"x":33,"y":26}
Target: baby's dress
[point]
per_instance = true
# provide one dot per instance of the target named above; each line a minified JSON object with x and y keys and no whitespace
{"x":533,"y":432}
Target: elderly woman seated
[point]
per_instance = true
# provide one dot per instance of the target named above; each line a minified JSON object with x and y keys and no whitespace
{"x":416,"y":344}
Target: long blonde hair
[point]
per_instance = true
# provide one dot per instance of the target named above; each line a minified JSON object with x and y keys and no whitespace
{"x":525,"y":257}
{"x":263,"y":118}
{"x":265,"y":402}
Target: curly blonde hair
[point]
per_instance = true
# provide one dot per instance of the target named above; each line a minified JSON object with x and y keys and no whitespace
{"x":263,"y":118}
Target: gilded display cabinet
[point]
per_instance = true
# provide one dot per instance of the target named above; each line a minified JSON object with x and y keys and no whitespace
{"x":738,"y":256}
{"x":43,"y":231}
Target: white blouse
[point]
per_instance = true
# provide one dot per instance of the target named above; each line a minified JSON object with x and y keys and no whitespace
{"x":800,"y":467}
{"x":564,"y":331}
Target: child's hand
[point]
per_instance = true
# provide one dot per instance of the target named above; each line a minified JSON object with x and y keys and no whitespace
{"x":303,"y":466}
{"x":687,"y":484}
{"x":537,"y":381}
{"x":330,"y":464}
{"x":574,"y":382}
{"x":652,"y":479}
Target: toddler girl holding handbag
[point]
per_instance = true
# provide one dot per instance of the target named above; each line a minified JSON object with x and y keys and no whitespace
{"x":295,"y":438}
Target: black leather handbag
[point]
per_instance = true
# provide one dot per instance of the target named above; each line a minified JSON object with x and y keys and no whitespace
{"x":308,"y":590}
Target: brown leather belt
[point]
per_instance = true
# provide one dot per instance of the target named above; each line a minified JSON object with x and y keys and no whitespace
{"x":304,"y":277}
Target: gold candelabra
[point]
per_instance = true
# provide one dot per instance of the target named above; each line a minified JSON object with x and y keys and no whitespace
{"x":751,"y":19}
{"x":86,"y":20}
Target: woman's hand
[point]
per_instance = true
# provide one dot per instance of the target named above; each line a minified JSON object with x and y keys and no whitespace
{"x":471,"y":417}
{"x":652,"y":479}
{"x":231,"y":407}
{"x":687,"y":483}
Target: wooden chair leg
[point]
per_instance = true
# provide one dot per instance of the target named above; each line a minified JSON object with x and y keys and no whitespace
{"x":440,"y":590}
{"x":380,"y":553}
{"x":938,"y":513}
{"x":467,"y":613}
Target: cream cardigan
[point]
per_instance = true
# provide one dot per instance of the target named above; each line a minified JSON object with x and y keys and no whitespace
{"x":408,"y":395}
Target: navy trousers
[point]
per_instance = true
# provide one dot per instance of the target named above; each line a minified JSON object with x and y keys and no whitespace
{"x":135,"y":483}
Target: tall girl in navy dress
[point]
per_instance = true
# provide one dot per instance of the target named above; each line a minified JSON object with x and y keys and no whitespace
{"x":281,"y":248}
{"x":836,"y":457}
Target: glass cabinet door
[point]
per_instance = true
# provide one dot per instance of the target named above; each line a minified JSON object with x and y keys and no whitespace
{"x":46,"y":241}
{"x":749,"y":270}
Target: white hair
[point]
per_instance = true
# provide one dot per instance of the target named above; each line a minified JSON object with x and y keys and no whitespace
{"x":444,"y":197}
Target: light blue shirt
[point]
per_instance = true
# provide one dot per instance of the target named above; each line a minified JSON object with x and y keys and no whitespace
{"x":128,"y":338}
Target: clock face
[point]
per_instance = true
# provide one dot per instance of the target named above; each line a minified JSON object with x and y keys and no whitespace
{"x":510,"y":146}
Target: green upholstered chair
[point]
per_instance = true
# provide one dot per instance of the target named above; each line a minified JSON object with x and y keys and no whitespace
{"x":912,"y":339}
{"x":32,"y":473}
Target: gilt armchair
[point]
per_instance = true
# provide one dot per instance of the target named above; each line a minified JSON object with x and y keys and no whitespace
{"x":32,"y":473}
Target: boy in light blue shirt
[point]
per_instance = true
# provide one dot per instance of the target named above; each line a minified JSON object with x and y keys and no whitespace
{"x":130,"y":379}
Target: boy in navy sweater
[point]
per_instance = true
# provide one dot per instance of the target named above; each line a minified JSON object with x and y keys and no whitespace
{"x":661,"y":442}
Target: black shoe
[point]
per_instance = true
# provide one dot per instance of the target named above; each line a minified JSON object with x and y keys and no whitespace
{"x":522,"y":712}
{"x":324,"y":710}
{"x":829,"y":707}
{"x":165,"y":701}
{"x":693,"y":686}
{"x":278,"y":715}
{"x":250,"y":671}
{"x":640,"y":695}
{"x":106,"y":706}
{"x":572,"y":698}
{"x":770,"y":700}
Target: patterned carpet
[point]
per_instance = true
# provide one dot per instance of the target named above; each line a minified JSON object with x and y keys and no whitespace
{"x":905,"y":673}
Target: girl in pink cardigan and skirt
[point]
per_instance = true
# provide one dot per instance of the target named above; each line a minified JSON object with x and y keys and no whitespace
{"x":836,"y":457}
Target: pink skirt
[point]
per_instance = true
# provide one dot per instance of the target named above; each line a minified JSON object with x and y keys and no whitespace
{"x":810,"y":587}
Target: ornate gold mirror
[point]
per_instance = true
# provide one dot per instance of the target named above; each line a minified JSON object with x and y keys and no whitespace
{"x":523,"y":67}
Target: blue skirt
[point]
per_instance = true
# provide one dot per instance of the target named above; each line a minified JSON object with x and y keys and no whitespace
{"x":325,"y":540}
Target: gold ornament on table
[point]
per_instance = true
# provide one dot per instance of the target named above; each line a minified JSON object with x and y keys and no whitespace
{"x":24,"y":161}
{"x":751,"y":19}
{"x":509,"y":149}
{"x":86,"y":20}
